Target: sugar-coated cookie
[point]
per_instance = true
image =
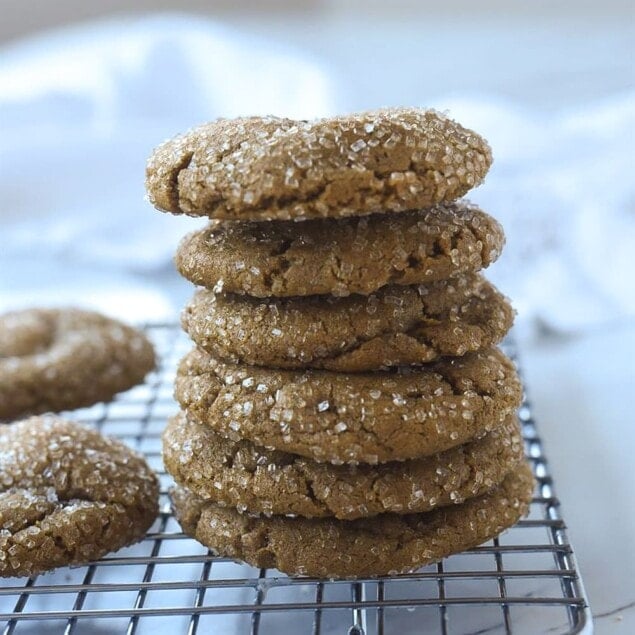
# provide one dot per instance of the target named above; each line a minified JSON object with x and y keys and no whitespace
{"x":341,"y":256}
{"x":242,"y":475}
{"x":68,"y":495}
{"x":362,"y":417}
{"x":270,"y":168}
{"x":61,"y":359}
{"x":395,"y":326}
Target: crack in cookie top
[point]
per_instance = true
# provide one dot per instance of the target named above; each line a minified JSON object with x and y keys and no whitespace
{"x":265,"y":168}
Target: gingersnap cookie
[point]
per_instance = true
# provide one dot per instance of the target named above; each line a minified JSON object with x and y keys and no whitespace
{"x":395,"y":326}
{"x":259,"y":481}
{"x":341,"y":256}
{"x":61,"y":359}
{"x":353,"y":418}
{"x":68,"y":495}
{"x":329,"y":548}
{"x":270,"y":168}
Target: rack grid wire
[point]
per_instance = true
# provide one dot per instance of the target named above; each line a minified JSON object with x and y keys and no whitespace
{"x":524,"y":581}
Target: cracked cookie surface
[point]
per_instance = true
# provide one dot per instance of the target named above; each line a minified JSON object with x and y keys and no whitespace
{"x":363,"y":417}
{"x":270,"y":168}
{"x":62,"y":359}
{"x":68,"y":495}
{"x":259,"y":481}
{"x":396,"y":326}
{"x":341,"y":256}
{"x":331,"y":548}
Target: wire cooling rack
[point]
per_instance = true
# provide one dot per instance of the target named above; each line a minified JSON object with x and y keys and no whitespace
{"x":524,"y":581}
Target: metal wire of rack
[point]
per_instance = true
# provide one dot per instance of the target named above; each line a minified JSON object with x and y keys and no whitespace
{"x":524,"y":581}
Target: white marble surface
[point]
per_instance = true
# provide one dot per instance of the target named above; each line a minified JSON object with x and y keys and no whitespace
{"x":582,"y":391}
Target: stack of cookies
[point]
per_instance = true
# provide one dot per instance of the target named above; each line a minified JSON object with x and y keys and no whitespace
{"x":345,"y":410}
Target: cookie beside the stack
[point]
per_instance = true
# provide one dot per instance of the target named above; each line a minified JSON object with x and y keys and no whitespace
{"x":345,"y":410}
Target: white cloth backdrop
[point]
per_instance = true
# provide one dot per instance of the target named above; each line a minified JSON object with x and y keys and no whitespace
{"x":81,"y":109}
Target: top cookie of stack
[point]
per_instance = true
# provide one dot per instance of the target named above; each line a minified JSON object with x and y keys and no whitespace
{"x":363,"y":335}
{"x":268,"y":168}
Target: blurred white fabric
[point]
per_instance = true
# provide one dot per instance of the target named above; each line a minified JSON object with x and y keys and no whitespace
{"x":563,"y":188}
{"x":81,"y":109}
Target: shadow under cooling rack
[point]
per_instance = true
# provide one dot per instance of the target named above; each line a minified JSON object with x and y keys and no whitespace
{"x":523,"y":582}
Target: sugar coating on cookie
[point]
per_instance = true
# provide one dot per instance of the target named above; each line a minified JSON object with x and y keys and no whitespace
{"x":270,"y":168}
{"x":68,"y":495}
{"x":395,"y":326}
{"x":341,"y":256}
{"x":352,"y":418}
{"x":329,"y":548}
{"x":61,"y":359}
{"x":259,"y":481}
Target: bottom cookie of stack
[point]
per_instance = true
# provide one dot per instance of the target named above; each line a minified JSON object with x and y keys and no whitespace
{"x":382,"y":545}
